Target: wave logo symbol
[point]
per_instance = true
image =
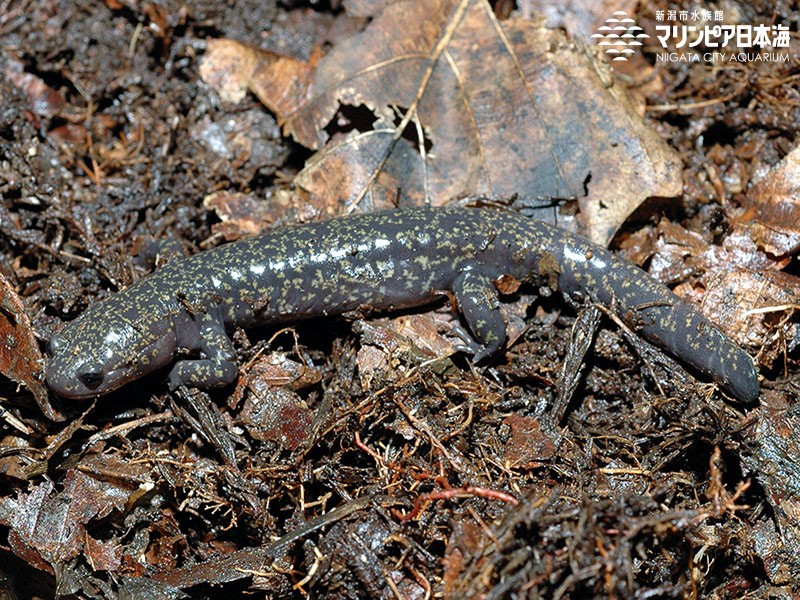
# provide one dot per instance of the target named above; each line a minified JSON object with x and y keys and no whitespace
{"x":619,"y":36}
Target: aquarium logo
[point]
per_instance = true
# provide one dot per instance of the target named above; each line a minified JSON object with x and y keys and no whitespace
{"x":619,"y":36}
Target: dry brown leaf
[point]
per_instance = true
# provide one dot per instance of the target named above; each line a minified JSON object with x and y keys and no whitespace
{"x":227,"y":66}
{"x":582,"y":19}
{"x":467,"y":105}
{"x":20,"y":358}
{"x":772,"y":208}
{"x":43,"y":99}
{"x":466,"y":540}
{"x":274,"y":370}
{"x":775,"y":443}
{"x":674,"y":246}
{"x":240,"y":214}
{"x":276,"y":415}
{"x":420,"y":336}
{"x":743,"y":288}
{"x":757,"y":310}
{"x":365,"y":8}
{"x":531,"y":443}
{"x":231,"y":68}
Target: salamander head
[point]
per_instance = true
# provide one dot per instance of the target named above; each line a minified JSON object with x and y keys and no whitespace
{"x":101,"y":351}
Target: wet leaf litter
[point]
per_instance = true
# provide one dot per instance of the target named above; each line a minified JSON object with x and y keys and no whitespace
{"x":108,"y":156}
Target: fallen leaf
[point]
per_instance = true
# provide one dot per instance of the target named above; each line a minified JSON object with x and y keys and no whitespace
{"x":464,"y":542}
{"x":365,"y":8}
{"x":44,"y":100}
{"x":580,"y":18}
{"x":227,"y":67}
{"x":772,"y":461}
{"x":48,"y":527}
{"x":20,"y":358}
{"x":277,"y":415}
{"x":676,"y":250}
{"x":231,"y":68}
{"x":417,"y":337}
{"x":240,"y":215}
{"x":531,"y":444}
{"x":460,"y":105}
{"x":103,"y":555}
{"x":273,"y":371}
{"x":583,"y":20}
{"x":246,"y":142}
{"x":14,"y":461}
{"x":756,"y":310}
{"x":772,"y":208}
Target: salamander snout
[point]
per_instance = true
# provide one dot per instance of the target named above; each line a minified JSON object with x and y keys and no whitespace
{"x":71,"y":375}
{"x":103,"y":349}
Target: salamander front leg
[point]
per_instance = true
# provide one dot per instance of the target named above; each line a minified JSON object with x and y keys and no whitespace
{"x":477,"y":298}
{"x":217,"y":365}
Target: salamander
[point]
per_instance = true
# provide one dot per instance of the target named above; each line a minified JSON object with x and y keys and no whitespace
{"x":397,"y":259}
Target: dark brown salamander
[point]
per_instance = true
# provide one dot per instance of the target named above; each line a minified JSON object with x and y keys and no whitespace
{"x":401,"y":258}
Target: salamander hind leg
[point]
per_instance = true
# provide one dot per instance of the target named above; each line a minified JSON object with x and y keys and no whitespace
{"x":217,"y":365}
{"x":477,"y":298}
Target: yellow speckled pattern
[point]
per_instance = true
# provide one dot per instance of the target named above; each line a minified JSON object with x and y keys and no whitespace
{"x":388,"y":260}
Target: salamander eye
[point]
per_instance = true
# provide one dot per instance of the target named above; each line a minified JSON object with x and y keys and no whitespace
{"x":92,"y":379}
{"x":53,"y":345}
